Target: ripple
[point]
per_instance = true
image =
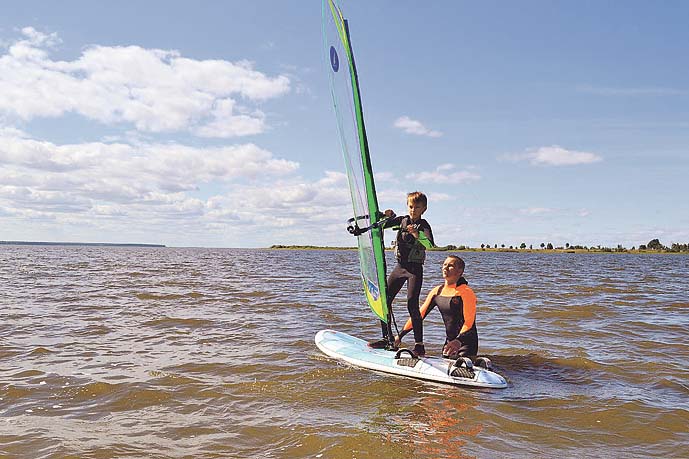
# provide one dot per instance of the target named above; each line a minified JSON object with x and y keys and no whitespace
{"x":186,"y":353}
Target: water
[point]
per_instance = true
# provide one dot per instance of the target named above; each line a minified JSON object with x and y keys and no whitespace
{"x":144,"y":352}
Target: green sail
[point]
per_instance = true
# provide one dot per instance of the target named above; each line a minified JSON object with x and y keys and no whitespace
{"x":344,"y":87}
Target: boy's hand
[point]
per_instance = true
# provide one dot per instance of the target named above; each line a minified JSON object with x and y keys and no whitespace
{"x":389,"y":213}
{"x":411,"y":229}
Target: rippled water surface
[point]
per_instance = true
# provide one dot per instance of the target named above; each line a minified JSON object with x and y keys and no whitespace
{"x":165,"y":352}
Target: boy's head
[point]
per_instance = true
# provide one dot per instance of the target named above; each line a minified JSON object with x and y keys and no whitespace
{"x":417,"y":204}
{"x":417,"y":197}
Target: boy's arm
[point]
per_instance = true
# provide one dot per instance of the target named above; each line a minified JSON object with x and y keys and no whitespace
{"x":426,"y":237}
{"x":394,"y":222}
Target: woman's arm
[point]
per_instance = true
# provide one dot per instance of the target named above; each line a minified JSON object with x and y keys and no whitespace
{"x":469,"y":310}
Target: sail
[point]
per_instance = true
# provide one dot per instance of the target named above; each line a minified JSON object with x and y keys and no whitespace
{"x":344,"y":87}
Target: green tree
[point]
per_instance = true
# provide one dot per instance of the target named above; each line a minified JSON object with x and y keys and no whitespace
{"x":542,"y":245}
{"x":654,"y":244}
{"x":523,"y":245}
{"x":550,"y":246}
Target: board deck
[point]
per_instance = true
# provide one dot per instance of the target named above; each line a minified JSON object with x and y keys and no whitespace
{"x":355,"y":351}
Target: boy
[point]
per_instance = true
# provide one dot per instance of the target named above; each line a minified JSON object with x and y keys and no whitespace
{"x":414,"y":236}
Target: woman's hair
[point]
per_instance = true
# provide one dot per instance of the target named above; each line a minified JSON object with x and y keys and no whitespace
{"x":417,"y":197}
{"x":460,"y":262}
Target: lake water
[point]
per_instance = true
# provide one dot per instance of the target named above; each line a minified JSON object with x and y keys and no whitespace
{"x":171,"y":352}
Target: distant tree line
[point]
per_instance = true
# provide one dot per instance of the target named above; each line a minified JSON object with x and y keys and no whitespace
{"x":653,"y":245}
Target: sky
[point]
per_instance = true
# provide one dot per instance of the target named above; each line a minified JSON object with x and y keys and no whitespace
{"x":210,"y":124}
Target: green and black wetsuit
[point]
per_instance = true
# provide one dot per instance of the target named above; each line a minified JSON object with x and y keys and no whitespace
{"x":411,"y":254}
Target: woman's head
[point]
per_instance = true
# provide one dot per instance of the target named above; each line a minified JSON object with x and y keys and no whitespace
{"x":453,"y":268}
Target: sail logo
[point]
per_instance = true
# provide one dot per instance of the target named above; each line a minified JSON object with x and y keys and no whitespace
{"x":372,"y":290}
{"x":334,"y":59}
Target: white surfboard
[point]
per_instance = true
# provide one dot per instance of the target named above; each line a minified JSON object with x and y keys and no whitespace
{"x":356,"y":352}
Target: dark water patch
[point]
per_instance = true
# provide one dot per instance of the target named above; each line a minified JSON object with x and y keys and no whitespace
{"x":571,"y":311}
{"x":533,"y":368}
{"x":8,"y":352}
{"x":679,"y":306}
{"x":40,"y":351}
{"x":678,"y":385}
{"x":93,"y":330}
{"x":174,"y":322}
{"x":26,"y":374}
{"x":167,"y":297}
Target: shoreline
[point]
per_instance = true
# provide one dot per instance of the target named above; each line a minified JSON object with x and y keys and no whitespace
{"x":499,"y":250}
{"x":80,"y":244}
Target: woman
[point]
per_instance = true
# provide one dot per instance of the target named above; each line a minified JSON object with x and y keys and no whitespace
{"x":457,"y":305}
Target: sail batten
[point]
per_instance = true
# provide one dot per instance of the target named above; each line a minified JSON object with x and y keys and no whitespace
{"x":346,"y":95}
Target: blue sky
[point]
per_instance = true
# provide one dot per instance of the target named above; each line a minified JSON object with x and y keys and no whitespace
{"x":211,"y":124}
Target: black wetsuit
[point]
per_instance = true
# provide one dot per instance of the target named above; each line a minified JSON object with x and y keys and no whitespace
{"x":411,"y":254}
{"x":452,"y":310}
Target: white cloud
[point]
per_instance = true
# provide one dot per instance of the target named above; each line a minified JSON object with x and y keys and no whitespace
{"x":554,"y":156}
{"x":531,"y":211}
{"x":415,"y":127}
{"x":41,"y":174}
{"x":152,"y":192}
{"x":445,"y":173}
{"x":382,"y":177}
{"x":154,"y":90}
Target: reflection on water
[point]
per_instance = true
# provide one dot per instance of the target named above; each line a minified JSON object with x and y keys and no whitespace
{"x":440,"y":424}
{"x":142,"y":352}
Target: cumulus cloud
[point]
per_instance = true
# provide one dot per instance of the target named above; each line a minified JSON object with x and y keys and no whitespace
{"x":110,"y":178}
{"x":154,"y":90}
{"x":415,"y":127}
{"x":289,"y":204}
{"x":554,"y":156}
{"x":532,"y":211}
{"x":128,"y":187}
{"x":163,"y":192}
{"x":445,"y":173}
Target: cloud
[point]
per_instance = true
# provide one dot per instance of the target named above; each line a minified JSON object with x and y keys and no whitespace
{"x":228,"y":196}
{"x":383,"y":177}
{"x":531,"y":211}
{"x":445,"y":173}
{"x":154,"y":90}
{"x":554,"y":156}
{"x":414,"y":127}
{"x":41,"y":173}
{"x":553,"y":212}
